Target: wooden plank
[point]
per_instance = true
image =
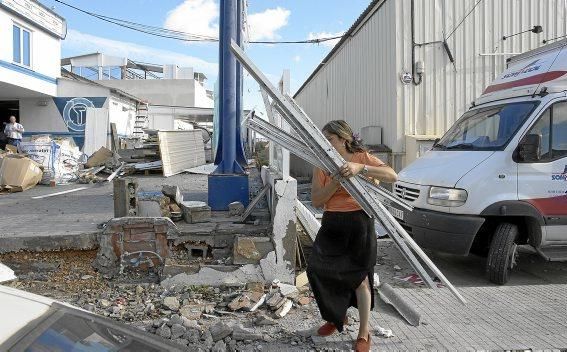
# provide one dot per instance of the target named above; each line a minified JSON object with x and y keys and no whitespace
{"x":114,"y":143}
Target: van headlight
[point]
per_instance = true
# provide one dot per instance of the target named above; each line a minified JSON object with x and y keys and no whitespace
{"x":447,"y":197}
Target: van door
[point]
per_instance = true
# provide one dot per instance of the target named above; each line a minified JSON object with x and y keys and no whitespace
{"x":543,"y":182}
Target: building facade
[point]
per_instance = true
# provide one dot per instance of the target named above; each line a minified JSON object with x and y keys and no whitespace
{"x":30,"y":36}
{"x":413,"y":67}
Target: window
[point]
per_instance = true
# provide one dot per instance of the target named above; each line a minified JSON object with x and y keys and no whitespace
{"x":552,"y":129}
{"x":488,"y":128}
{"x":559,"y":131}
{"x":22,"y":46}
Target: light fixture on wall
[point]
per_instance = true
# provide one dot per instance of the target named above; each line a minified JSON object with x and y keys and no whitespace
{"x":42,"y":103}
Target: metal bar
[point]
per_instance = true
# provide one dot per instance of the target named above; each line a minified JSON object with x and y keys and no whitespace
{"x":254,"y":201}
{"x":314,"y":138}
{"x":300,"y":149}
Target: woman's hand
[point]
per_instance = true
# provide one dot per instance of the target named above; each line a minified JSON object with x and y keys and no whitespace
{"x":351,"y":169}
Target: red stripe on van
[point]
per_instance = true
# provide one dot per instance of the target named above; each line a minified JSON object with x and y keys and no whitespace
{"x":550,"y":206}
{"x":537,"y":79}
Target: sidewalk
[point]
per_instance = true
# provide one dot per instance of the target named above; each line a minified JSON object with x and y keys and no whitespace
{"x":495,"y":318}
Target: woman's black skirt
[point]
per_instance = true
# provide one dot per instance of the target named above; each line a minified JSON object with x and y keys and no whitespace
{"x":344,"y":254}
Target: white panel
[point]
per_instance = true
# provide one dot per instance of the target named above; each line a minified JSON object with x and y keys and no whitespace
{"x":96,"y":130}
{"x":181,"y":150}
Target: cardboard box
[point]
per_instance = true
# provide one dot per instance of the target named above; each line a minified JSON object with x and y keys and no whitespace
{"x":99,"y":157}
{"x":19,"y":173}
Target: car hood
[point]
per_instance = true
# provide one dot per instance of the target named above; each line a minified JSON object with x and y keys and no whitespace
{"x":442,"y":168}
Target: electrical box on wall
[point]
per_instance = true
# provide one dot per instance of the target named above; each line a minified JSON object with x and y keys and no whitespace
{"x":417,"y":145}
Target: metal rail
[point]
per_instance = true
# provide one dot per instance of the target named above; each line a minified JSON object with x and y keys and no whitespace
{"x":332,"y":161}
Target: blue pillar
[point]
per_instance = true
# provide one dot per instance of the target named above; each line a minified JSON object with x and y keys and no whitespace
{"x":240,"y":156}
{"x":228,"y":183}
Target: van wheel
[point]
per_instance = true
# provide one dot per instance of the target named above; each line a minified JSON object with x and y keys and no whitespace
{"x":503,"y":254}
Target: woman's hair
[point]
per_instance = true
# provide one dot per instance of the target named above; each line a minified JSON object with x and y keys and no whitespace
{"x":341,"y":129}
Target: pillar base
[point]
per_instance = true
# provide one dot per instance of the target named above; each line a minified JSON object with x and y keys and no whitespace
{"x":225,"y":189}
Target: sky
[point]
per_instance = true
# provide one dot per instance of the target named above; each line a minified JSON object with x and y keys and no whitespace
{"x":269,"y":20}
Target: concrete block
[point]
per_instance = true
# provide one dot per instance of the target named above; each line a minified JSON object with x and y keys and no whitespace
{"x":125,"y":197}
{"x":235,"y":209}
{"x":249,"y":250}
{"x":197,"y":250}
{"x":195,"y":212}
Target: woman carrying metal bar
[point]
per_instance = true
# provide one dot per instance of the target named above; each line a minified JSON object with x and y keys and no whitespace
{"x":341,"y":266}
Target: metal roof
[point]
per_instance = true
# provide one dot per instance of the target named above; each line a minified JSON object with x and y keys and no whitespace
{"x":372,"y":7}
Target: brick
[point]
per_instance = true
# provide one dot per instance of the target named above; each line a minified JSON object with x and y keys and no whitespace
{"x":138,"y":246}
{"x":160,"y":228}
{"x":144,"y":236}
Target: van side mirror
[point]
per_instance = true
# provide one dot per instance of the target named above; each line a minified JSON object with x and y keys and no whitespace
{"x":529,"y":149}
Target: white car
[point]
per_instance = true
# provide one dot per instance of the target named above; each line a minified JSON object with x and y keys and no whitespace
{"x":38,"y":324}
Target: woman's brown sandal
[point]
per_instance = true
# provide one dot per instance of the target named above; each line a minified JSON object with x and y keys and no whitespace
{"x":362,"y":345}
{"x":328,"y":329}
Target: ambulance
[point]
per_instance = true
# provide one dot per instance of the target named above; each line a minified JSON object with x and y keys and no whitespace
{"x":498,"y":178}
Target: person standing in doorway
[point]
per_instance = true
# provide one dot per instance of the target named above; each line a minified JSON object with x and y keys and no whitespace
{"x":340,"y":268}
{"x":13,"y":131}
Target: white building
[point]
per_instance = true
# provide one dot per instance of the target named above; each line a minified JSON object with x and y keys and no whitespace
{"x":174,"y":94}
{"x":30,"y":37}
{"x":412,"y":67}
{"x":82,"y":110}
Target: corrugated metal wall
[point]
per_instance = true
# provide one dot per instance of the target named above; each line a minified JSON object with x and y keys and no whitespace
{"x":356,"y":84}
{"x":361,"y":82}
{"x":448,"y":89}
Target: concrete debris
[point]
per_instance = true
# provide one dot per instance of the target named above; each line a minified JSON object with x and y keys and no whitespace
{"x":246,"y":248}
{"x":255,"y":286}
{"x":250,"y":250}
{"x":219,"y":331}
{"x":220,"y":346}
{"x":6,"y":274}
{"x":239,"y":333}
{"x":284,"y":309}
{"x":173,"y":193}
{"x":172,"y":303}
{"x":177,"y":330}
{"x":289,"y":291}
{"x":304,"y":301}
{"x":301,"y":279}
{"x":263,"y":320}
{"x":249,"y":301}
{"x":380,"y":331}
{"x":235,"y":209}
{"x":275,"y":301}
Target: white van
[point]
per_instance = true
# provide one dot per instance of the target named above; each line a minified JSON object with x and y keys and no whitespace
{"x":498,"y":178}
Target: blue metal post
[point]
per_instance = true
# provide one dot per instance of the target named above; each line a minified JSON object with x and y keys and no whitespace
{"x":228,"y":183}
{"x":240,"y":156}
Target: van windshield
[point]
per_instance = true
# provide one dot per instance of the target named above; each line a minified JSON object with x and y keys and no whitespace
{"x":489,"y":128}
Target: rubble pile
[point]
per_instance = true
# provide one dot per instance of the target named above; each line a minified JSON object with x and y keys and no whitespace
{"x":230,"y":317}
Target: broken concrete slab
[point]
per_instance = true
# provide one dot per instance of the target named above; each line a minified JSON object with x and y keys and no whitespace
{"x":153,"y":204}
{"x":249,"y":250}
{"x":289,"y":291}
{"x":172,"y":192}
{"x":239,"y":333}
{"x":214,"y":277}
{"x":172,"y":268}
